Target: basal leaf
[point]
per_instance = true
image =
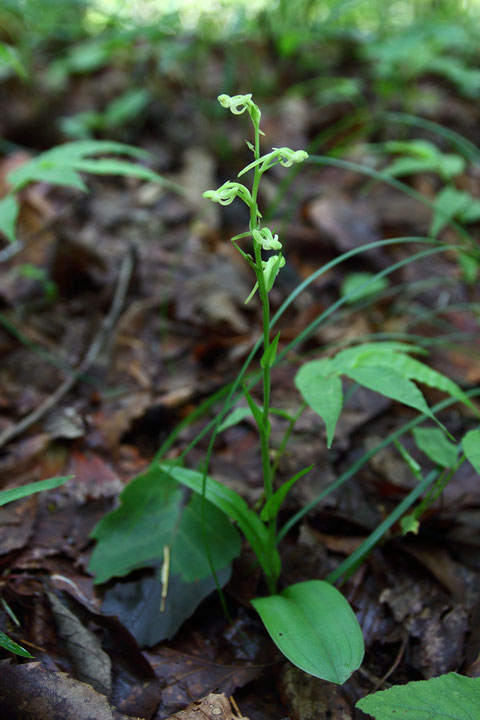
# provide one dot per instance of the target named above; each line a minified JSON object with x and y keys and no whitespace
{"x":471,"y":448}
{"x":315,"y":628}
{"x":448,"y":697}
{"x":434,"y":443}
{"x":136,"y":603}
{"x":152,"y":515}
{"x":133,"y":535}
{"x":235,"y":507}
{"x":8,"y":216}
{"x":321,"y":388}
{"x":203,"y":521}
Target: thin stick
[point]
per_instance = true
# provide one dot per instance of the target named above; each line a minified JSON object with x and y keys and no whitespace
{"x":106,"y":327}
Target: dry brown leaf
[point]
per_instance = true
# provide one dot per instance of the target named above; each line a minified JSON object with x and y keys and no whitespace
{"x":214,"y":707}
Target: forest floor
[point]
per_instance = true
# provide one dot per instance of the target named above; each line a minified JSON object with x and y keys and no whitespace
{"x":142,"y":292}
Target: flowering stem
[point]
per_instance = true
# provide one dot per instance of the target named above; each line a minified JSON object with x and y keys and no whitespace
{"x":264,"y":428}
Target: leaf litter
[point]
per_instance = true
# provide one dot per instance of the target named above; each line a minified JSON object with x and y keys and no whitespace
{"x":180,"y":335}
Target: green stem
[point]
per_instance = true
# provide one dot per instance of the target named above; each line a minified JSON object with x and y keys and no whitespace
{"x":264,"y":429}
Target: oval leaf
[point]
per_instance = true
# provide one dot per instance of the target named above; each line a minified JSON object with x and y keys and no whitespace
{"x":448,"y":697}
{"x":315,"y":628}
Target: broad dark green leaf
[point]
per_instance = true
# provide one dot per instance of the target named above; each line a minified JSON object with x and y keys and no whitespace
{"x":434,"y":443}
{"x":448,"y":697}
{"x":321,"y":388}
{"x":471,"y":448}
{"x":315,"y":628}
{"x":152,"y":515}
{"x":20,"y":492}
{"x":136,"y":603}
{"x":202,"y":522}
{"x":235,"y":507}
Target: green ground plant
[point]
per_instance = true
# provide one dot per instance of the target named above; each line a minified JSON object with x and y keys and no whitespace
{"x":311,"y":622}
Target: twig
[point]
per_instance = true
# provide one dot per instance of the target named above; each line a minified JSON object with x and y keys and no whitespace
{"x":107,"y":325}
{"x":393,"y":667}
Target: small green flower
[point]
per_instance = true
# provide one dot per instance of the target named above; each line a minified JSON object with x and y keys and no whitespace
{"x":237,"y":104}
{"x":265,"y":238}
{"x":271,"y":268}
{"x":286,"y":156}
{"x":227,"y":193}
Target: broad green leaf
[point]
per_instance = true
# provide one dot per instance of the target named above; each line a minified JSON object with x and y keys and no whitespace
{"x":394,"y":357}
{"x":79,"y":149}
{"x":449,"y":203}
{"x":137,"y":604}
{"x":151,"y":515}
{"x":12,"y":494}
{"x":321,"y":388}
{"x":434,"y":443}
{"x":203,"y":521}
{"x":229,"y":502}
{"x":418,"y":148}
{"x":391,"y":384}
{"x":9,"y":209}
{"x":360,"y":285}
{"x":471,"y":448}
{"x":126,"y":107}
{"x":272,"y":506}
{"x":354,"y":355}
{"x":12,"y":646}
{"x":448,"y":697}
{"x":50,"y":165}
{"x":112,"y":166}
{"x":424,"y":156}
{"x":315,"y":628}
{"x":268,"y":357}
{"x":49,"y":173}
